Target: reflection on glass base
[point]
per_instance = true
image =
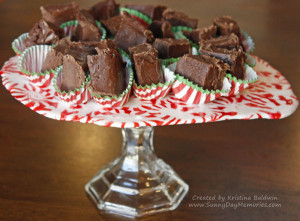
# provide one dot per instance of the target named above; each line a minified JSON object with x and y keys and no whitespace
{"x":137,"y":183}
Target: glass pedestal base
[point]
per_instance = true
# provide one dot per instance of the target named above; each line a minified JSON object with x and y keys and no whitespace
{"x":137,"y":182}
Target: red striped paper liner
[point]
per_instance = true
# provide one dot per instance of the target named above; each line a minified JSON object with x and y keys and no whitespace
{"x":112,"y":103}
{"x":116,"y":101}
{"x":30,"y":64}
{"x":18,"y":44}
{"x":78,"y":96}
{"x":155,"y":91}
{"x":239,"y":85}
{"x":191,"y":93}
{"x":152,"y":93}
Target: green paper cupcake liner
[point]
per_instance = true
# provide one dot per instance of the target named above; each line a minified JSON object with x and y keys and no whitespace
{"x":137,"y":14}
{"x":31,"y":62}
{"x":176,"y":29}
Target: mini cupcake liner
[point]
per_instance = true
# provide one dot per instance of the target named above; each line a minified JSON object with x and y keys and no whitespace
{"x":80,"y":95}
{"x":155,"y":91}
{"x":18,"y":44}
{"x":117,"y":101}
{"x":247,"y":42}
{"x":31,"y":62}
{"x":250,"y":60}
{"x":176,"y":29}
{"x":239,"y":85}
{"x":144,"y":19}
{"x":69,"y":28}
{"x":191,"y":93}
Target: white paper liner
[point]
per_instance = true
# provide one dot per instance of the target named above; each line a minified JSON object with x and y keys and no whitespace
{"x":18,"y":44}
{"x":247,"y":42}
{"x":31,"y":62}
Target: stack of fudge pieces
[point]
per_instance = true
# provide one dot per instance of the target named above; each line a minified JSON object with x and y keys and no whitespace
{"x":221,"y":51}
{"x":146,"y":45}
{"x":84,"y":54}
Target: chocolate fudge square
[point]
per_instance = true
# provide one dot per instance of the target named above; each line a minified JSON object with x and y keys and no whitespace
{"x":73,"y":74}
{"x":105,"y":10}
{"x":152,"y":11}
{"x":226,"y":25}
{"x":131,"y":33}
{"x":201,"y":34}
{"x":80,"y":50}
{"x":142,"y":48}
{"x":107,"y":72}
{"x":228,"y":41}
{"x":161,"y":29}
{"x":177,"y":18}
{"x":86,"y":30}
{"x":43,"y":33}
{"x":171,"y":48}
{"x":60,"y":13}
{"x":235,"y":58}
{"x":105,"y":44}
{"x":147,"y":67}
{"x":112,"y":24}
{"x":205,"y":71}
{"x":54,"y":57}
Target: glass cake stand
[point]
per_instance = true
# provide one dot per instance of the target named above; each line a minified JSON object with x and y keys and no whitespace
{"x":137,"y":182}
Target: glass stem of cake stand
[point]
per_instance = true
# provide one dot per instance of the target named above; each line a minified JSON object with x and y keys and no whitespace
{"x":137,"y":182}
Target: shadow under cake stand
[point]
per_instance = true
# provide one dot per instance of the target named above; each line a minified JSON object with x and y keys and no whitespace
{"x":137,"y":182}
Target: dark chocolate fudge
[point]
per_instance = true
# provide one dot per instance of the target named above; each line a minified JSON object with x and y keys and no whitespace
{"x":235,"y":58}
{"x":86,"y":30}
{"x":107,"y":43}
{"x":131,"y":33}
{"x":73,"y":75}
{"x":78,"y":50}
{"x":54,"y":57}
{"x":152,"y":11}
{"x":112,"y":24}
{"x":201,"y":34}
{"x":43,"y":33}
{"x":107,"y":72}
{"x":105,"y":10}
{"x":226,"y":25}
{"x":229,"y":42}
{"x":147,"y":67}
{"x":172,"y":48}
{"x":177,"y":18}
{"x":53,"y":60}
{"x":142,"y":48}
{"x":58,"y":14}
{"x":205,"y":71}
{"x":161,"y":29}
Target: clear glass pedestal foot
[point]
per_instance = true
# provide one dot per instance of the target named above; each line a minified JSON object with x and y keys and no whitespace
{"x":137,"y":183}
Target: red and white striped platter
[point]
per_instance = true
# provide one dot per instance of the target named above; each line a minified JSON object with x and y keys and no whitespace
{"x":271,"y":97}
